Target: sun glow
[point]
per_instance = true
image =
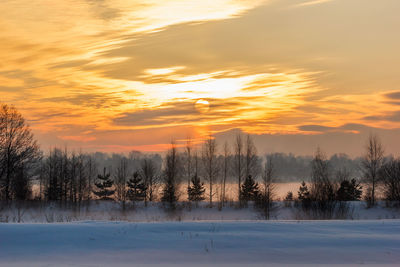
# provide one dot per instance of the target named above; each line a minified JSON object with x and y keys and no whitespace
{"x":203,"y":106}
{"x":86,"y":71}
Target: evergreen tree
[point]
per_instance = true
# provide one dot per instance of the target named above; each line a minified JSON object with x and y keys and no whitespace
{"x":196,"y":189}
{"x":104,"y":185}
{"x":171,"y":182}
{"x":303,"y":193}
{"x":288,"y":199}
{"x":304,"y":196}
{"x":249,"y":190}
{"x":137,"y":188}
{"x":289,"y":196}
{"x":169,"y":193}
{"x":349,"y":191}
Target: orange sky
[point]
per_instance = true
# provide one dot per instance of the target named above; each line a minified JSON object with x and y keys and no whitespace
{"x":117,"y":75}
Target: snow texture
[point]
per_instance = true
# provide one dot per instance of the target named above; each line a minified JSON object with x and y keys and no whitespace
{"x":260,"y":243}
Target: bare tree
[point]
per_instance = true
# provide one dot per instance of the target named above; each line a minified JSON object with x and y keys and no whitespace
{"x":239,"y":161}
{"x":171,"y":180}
{"x":323,"y":189}
{"x":268,"y":190}
{"x":82,"y":178}
{"x":226,"y":164}
{"x":251,"y":158}
{"x":149,"y":172}
{"x":196,"y":163}
{"x":18,"y":149}
{"x":371,"y":163}
{"x":188,"y":166}
{"x":321,"y":186}
{"x":209,"y":158}
{"x":72,"y":176}
{"x":121,"y":174}
{"x":91,"y":173}
{"x":390,"y":177}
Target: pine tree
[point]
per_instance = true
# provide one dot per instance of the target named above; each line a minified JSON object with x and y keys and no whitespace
{"x":288,"y":199}
{"x":349,"y":191}
{"x":169,"y":193}
{"x":289,"y":196}
{"x":104,"y":185}
{"x":249,"y":190}
{"x":137,"y":188}
{"x":303,"y":192}
{"x":304,"y":196}
{"x":196,"y":189}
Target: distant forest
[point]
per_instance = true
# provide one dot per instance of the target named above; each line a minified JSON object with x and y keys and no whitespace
{"x":189,"y":173}
{"x":288,"y":167}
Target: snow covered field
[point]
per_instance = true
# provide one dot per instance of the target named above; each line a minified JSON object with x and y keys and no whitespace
{"x":373,"y":242}
{"x":154,"y":212}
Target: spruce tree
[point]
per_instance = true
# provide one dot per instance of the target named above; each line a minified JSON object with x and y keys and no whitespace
{"x":303,"y":192}
{"x":169,"y":193}
{"x":288,"y":199}
{"x":304,"y":196}
{"x":196,"y":189}
{"x":137,"y":188}
{"x":289,"y":196}
{"x":349,"y":191}
{"x":104,"y":185}
{"x":249,"y":190}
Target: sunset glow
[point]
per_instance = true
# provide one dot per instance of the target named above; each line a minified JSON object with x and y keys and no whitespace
{"x":121,"y":75}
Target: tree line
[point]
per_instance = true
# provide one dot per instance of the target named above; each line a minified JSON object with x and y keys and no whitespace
{"x":75,"y":178}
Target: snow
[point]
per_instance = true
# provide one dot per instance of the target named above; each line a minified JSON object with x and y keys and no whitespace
{"x":111,"y":211}
{"x":230,"y":243}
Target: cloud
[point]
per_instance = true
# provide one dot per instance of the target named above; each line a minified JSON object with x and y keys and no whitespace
{"x":170,"y":113}
{"x":99,"y":100}
{"x":393,"y":117}
{"x":313,"y":2}
{"x":78,"y":138}
{"x":315,"y":128}
{"x":111,"y":66}
{"x":393,"y":95}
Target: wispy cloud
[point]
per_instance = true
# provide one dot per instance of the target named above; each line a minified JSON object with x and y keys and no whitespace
{"x":313,"y":2}
{"x":85,"y":71}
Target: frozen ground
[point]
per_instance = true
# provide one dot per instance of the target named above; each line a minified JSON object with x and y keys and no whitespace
{"x":373,"y":242}
{"x":111,"y":211}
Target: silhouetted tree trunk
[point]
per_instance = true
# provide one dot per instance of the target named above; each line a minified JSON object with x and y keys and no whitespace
{"x":209,"y":158}
{"x":171,"y":180}
{"x":120,"y":181}
{"x":251,"y":158}
{"x":149,"y":172}
{"x":390,"y":177}
{"x":239,"y":161}
{"x":225,"y":168}
{"x":188,"y":166}
{"x":91,"y":172}
{"x":372,"y":162}
{"x":268,"y":183}
{"x":323,"y":199}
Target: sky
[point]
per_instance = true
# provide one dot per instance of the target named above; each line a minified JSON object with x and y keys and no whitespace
{"x":122,"y":75}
